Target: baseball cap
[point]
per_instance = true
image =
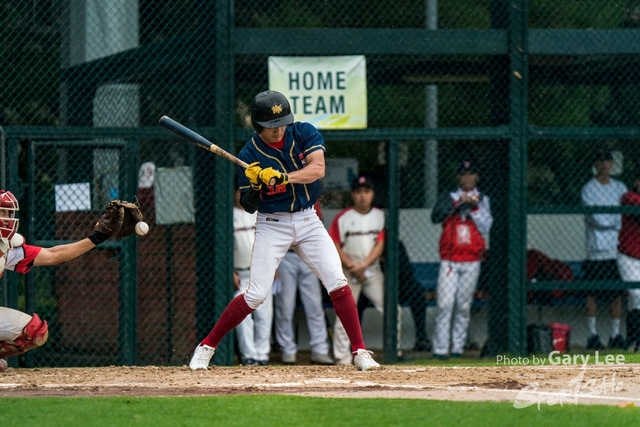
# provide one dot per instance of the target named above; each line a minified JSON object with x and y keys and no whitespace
{"x":602,"y":154}
{"x":467,"y":165}
{"x":361,"y":181}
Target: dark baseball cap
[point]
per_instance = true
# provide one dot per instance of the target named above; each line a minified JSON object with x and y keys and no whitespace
{"x":602,"y":154}
{"x":361,"y":181}
{"x":467,"y":165}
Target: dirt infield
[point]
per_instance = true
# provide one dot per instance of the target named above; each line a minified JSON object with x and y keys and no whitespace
{"x":522,"y":385}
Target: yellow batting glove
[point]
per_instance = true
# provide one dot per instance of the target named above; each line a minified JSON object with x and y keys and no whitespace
{"x":270,"y":176}
{"x":252,"y":172}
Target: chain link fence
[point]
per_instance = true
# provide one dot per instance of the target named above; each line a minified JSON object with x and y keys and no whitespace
{"x":84,"y":84}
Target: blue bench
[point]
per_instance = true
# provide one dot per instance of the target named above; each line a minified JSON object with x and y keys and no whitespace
{"x":426,"y":273}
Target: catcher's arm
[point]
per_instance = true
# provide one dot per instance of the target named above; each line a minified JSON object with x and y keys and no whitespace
{"x":63,"y":253}
{"x":118,"y":220}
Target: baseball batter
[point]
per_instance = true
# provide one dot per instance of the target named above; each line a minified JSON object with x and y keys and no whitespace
{"x":254,"y":332}
{"x":20,"y":332}
{"x":466,"y":219}
{"x":358,"y":234}
{"x":629,"y":260}
{"x":286,"y":161}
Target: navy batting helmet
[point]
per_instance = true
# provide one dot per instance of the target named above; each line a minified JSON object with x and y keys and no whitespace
{"x":270,"y":110}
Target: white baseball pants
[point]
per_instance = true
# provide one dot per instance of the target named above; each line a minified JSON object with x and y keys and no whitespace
{"x":456,"y":284}
{"x":306,"y":235}
{"x":629,"y":269}
{"x":12,"y":323}
{"x":254,"y":332}
{"x":296,"y":276}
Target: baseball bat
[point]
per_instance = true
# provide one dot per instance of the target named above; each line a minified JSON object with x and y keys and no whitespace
{"x":202,"y":142}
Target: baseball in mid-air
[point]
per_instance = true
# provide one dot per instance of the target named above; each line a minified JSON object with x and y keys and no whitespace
{"x":142,"y":228}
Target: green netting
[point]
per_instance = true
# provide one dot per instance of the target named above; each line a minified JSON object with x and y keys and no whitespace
{"x":84,"y":84}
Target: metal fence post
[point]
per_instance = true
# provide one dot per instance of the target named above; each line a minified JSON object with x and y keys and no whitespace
{"x":128,"y":256}
{"x":14,"y":185}
{"x":223,"y":189}
{"x":391,"y":257}
{"x":517,"y":177}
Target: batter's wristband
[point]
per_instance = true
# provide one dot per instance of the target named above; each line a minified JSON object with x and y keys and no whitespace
{"x":97,"y":237}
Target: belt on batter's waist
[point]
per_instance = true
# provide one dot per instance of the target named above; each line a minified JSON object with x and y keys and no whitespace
{"x":241,"y":269}
{"x":291,"y":250}
{"x":302,"y":210}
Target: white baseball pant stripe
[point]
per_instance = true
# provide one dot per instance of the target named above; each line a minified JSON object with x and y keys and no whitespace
{"x":254,"y":332}
{"x":373,"y":289}
{"x":295,"y":277}
{"x":306,"y":235}
{"x":456,"y":284}
{"x":629,"y":269}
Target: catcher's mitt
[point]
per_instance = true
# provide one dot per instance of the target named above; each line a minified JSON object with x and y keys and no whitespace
{"x":119,"y":219}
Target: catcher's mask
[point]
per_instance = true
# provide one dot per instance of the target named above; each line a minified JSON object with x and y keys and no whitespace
{"x":270,"y":109}
{"x":8,"y":211}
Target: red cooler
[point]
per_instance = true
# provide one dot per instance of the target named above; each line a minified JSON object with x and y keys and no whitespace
{"x":561,"y":336}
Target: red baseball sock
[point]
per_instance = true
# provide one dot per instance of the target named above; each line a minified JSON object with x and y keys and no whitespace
{"x":231,"y":317}
{"x":346,"y":310}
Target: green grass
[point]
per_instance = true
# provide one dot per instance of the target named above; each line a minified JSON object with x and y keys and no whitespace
{"x":283,"y":411}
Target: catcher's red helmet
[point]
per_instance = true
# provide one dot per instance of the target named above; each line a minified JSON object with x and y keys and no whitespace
{"x":8,"y":210}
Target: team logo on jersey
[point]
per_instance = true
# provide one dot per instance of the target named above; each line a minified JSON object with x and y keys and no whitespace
{"x":276,"y":109}
{"x":302,"y":160}
{"x":276,"y":189}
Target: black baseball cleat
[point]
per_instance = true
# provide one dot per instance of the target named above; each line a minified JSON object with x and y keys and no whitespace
{"x":594,"y":343}
{"x":629,"y":344}
{"x":249,"y":362}
{"x":617,"y":342}
{"x":422,"y":346}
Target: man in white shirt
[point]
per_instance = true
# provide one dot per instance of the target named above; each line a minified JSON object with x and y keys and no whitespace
{"x":601,"y":245}
{"x":358,"y":233}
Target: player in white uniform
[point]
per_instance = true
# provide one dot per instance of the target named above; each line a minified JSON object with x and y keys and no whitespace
{"x":629,"y":260}
{"x":20,"y":332}
{"x":358,"y":233}
{"x":286,"y":162}
{"x":601,"y":231}
{"x":466,"y":219}
{"x":254,"y":332}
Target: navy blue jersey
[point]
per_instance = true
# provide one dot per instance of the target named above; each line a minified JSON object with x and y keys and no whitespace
{"x":300,"y":140}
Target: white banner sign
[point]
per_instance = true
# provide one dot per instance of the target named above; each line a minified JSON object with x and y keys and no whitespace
{"x":329,"y":92}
